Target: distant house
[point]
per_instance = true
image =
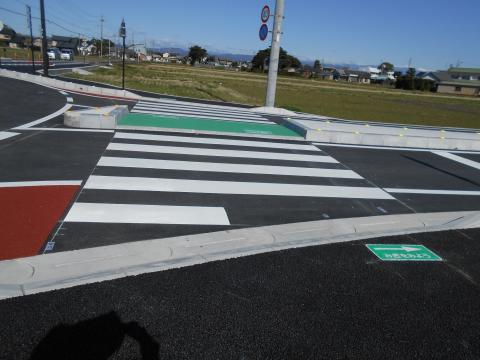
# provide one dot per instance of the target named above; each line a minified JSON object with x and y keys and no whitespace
{"x":426,"y":75}
{"x":87,"y":49}
{"x":65,"y":43}
{"x":16,"y":42}
{"x":6,"y":35}
{"x":325,"y":73}
{"x":355,"y":76}
{"x":463,"y":81}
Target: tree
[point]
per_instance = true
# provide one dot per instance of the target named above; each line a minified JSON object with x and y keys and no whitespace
{"x":286,"y":60}
{"x":260,"y":59}
{"x":386,"y":67}
{"x":411,"y":72}
{"x":196,"y":54}
{"x":317,"y":65}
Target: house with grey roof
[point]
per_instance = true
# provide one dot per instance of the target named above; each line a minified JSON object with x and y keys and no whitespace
{"x":462,"y":81}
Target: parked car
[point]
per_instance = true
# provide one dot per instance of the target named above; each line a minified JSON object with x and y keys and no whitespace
{"x":54,"y":54}
{"x":67,"y":55}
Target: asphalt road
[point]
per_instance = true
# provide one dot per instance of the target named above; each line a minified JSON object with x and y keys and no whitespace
{"x":328,"y":302}
{"x":23,"y":102}
{"x":255,"y":181}
{"x":332,"y":301}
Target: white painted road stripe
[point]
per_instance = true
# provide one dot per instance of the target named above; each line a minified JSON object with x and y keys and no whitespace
{"x":39,"y":183}
{"x":66,"y":130}
{"x":147,"y":214}
{"x":167,"y":113}
{"x":458,"y":159}
{"x":433,"y":192}
{"x":232,"y":187}
{"x":46,"y":118}
{"x":204,"y":114}
{"x":197,"y":105}
{"x":199,"y":140}
{"x":195,"y":108}
{"x":219,"y":152}
{"x":7,"y":135}
{"x":225,"y":168}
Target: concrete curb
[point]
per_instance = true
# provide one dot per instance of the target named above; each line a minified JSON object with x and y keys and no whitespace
{"x":69,"y":86}
{"x":98,"y":118}
{"x":67,"y":269}
{"x":376,"y":136}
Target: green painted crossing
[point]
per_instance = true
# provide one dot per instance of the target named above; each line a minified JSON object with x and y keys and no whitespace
{"x":204,"y":124}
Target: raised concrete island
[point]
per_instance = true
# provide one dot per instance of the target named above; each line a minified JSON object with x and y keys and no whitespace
{"x":96,"y":118}
{"x":343,"y":132}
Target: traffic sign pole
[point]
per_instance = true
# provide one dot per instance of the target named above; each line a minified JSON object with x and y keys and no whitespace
{"x":275,"y":54}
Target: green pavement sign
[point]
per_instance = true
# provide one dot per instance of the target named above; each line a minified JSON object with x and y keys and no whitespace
{"x":396,"y":252}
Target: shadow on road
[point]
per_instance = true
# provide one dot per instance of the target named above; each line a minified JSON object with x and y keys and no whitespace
{"x":97,"y":338}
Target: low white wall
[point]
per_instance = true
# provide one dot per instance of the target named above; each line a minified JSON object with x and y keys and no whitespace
{"x":69,"y":86}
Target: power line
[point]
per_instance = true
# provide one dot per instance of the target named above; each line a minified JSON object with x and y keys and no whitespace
{"x":51,"y":22}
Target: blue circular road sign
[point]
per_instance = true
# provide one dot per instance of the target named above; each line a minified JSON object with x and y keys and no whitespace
{"x":263,"y":33}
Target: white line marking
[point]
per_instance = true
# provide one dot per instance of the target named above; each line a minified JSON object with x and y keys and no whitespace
{"x":46,"y":118}
{"x":195,"y":109}
{"x":200,"y":114}
{"x":83,"y":106}
{"x":69,"y":100}
{"x":147,"y":214}
{"x":218,"y":152}
{"x":40,"y":183}
{"x":175,"y":102}
{"x":433,"y":192}
{"x":225,"y":168}
{"x":198,"y":140}
{"x":151,"y":112}
{"x":232,"y":187}
{"x":63,"y":93}
{"x":458,"y":159}
{"x":7,"y":135}
{"x":67,"y":130}
{"x":373,"y":147}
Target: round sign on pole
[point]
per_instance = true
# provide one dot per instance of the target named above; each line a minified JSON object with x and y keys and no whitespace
{"x":263,"y":33}
{"x":265,"y":14}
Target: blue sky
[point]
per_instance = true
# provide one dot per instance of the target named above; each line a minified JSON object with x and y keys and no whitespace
{"x":433,"y":33}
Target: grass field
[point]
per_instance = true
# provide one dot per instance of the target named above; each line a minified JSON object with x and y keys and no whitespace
{"x":19,"y":54}
{"x":348,"y":101}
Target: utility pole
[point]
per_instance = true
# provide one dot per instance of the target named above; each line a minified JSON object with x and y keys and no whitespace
{"x":29,"y":19}
{"x":101,"y":36}
{"x":44,"y":38}
{"x":275,"y":54}
{"x":123,"y":34}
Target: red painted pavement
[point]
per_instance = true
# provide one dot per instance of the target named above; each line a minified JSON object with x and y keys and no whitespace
{"x":28,"y":215}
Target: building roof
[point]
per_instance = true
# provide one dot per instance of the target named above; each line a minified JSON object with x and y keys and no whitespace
{"x":362,"y":74}
{"x":66,"y":42}
{"x":459,"y":70}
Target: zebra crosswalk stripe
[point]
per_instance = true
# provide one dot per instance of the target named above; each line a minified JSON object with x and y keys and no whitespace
{"x":123,"y":162}
{"x":215,"y":141}
{"x":232,"y":187}
{"x":196,"y":115}
{"x":196,"y":108}
{"x":147,"y":214}
{"x":220,"y":152}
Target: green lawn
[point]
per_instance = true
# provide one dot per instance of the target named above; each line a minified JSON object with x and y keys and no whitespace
{"x":349,"y":101}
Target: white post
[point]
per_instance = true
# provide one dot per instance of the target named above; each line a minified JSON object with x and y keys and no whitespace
{"x":275,"y":54}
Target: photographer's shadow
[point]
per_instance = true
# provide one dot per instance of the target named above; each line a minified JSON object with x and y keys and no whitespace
{"x":97,"y":338}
